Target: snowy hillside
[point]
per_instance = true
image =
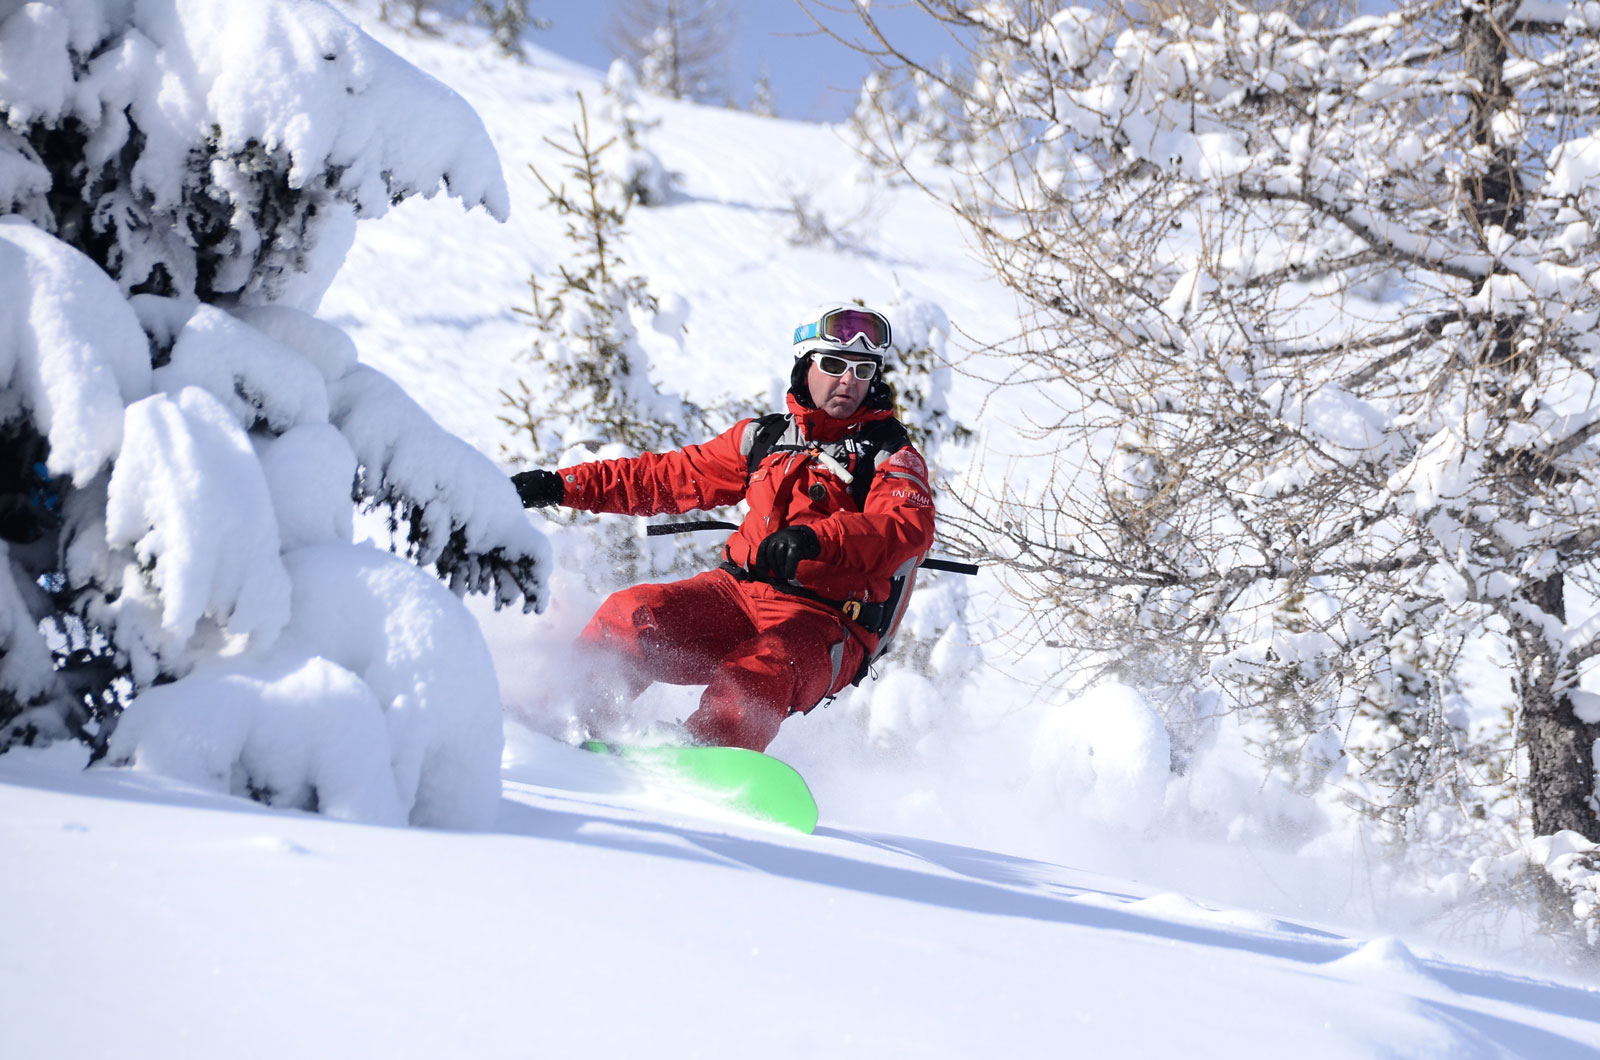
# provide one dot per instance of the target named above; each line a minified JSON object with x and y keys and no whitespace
{"x":591,"y":922}
{"x":997,"y":872}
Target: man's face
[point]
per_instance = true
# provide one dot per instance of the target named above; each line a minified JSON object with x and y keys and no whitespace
{"x":838,"y":395}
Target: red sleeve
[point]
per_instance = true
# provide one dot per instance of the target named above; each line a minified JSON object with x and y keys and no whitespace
{"x":895,"y":524}
{"x":697,"y":476}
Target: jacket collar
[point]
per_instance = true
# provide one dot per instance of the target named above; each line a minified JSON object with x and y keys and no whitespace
{"x":818,"y":426}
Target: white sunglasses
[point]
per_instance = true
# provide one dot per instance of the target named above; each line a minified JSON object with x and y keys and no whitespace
{"x":828,"y":364}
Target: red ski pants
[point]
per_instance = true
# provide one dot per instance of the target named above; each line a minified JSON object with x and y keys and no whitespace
{"x":761,"y":653}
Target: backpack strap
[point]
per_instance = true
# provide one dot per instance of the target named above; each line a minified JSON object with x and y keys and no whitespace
{"x":761,"y":436}
{"x":875,"y":444}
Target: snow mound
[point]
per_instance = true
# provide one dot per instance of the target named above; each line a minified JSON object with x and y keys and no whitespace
{"x":1183,"y":909}
{"x":378,"y":703}
{"x":290,"y":732}
{"x":1385,"y":959}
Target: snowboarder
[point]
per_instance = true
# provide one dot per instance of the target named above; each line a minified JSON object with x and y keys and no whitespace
{"x":840,"y":513}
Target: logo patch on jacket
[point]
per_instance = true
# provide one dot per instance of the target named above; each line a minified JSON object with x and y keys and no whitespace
{"x":909,"y":461}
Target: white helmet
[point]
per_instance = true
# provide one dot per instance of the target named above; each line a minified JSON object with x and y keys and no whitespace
{"x":844,"y":327}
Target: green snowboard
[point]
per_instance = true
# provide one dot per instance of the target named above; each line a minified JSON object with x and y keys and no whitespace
{"x":743,"y":780}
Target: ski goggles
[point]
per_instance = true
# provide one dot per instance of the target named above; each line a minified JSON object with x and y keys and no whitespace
{"x":828,"y":364}
{"x":843,"y":326}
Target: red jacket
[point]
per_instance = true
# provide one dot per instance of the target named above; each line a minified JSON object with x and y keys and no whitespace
{"x":861,"y":547}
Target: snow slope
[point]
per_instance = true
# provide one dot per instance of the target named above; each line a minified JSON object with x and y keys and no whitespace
{"x":599,"y":917}
{"x":591,"y":922}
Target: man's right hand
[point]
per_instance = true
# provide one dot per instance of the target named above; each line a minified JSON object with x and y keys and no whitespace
{"x":781,"y":551}
{"x":539,"y":488}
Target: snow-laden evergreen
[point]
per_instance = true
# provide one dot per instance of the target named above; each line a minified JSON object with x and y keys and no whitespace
{"x":184,"y":438}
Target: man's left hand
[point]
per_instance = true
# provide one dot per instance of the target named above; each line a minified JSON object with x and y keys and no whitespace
{"x":539,"y":488}
{"x":780,"y":553}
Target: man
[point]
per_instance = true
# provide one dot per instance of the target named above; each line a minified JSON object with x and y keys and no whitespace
{"x":840,"y":514}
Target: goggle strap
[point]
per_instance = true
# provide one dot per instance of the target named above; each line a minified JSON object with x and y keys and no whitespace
{"x":808,"y":331}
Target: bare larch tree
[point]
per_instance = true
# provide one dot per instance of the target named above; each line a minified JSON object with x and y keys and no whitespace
{"x":1315,"y":304}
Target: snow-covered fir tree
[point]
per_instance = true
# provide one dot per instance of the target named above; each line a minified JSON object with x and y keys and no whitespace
{"x":763,"y":100}
{"x":877,"y":124}
{"x":591,"y":392}
{"x":910,"y":121}
{"x":923,"y":374}
{"x":1341,"y":281}
{"x":680,"y":48}
{"x":593,"y":385}
{"x":180,"y":585}
{"x":414,"y":8}
{"x":635,"y":174}
{"x":508,"y":22}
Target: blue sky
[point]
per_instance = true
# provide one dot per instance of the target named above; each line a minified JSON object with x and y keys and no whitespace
{"x":814,"y":77}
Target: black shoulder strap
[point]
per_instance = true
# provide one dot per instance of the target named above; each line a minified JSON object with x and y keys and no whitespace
{"x":884,"y":436}
{"x":769,"y":429}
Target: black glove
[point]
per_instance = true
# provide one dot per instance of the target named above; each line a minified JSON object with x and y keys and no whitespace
{"x":780,"y":553}
{"x":539,"y":488}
